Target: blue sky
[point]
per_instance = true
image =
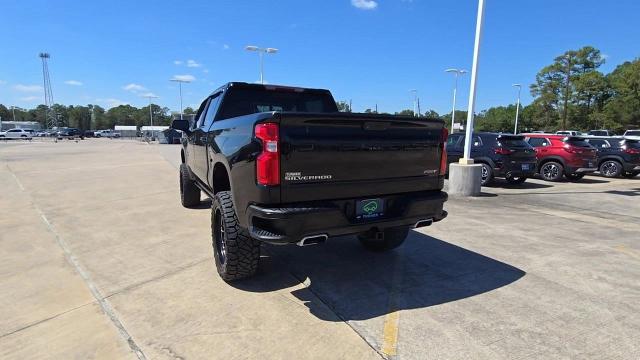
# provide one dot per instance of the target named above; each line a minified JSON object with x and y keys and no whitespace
{"x":373,"y":52}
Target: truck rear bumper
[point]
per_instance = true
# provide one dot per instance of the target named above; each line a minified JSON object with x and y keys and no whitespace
{"x":290,"y":223}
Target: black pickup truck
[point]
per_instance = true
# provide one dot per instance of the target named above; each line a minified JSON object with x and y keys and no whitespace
{"x":283,"y":166}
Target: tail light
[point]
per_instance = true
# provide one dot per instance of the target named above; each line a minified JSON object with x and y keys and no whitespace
{"x":572,"y":149}
{"x":268,"y":162}
{"x":443,"y":147}
{"x":503,"y":151}
{"x":632,"y":151}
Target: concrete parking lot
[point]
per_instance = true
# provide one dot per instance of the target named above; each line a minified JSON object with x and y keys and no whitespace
{"x":99,"y":260}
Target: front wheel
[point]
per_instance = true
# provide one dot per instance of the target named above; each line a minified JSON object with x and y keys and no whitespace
{"x":384,"y":240}
{"x":516,"y":180}
{"x":551,"y":171}
{"x":610,"y":169}
{"x":236,"y":254}
{"x":574,"y":177}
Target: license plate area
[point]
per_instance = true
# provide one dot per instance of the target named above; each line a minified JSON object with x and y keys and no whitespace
{"x":369,"y":209}
{"x":526,"y":167}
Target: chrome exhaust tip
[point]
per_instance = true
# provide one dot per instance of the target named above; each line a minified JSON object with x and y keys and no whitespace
{"x":313,"y":240}
{"x":423,"y":223}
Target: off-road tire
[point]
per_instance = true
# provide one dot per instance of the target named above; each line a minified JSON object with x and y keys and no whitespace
{"x":486,"y":176}
{"x":236,"y":254}
{"x":551,"y":171}
{"x":392,"y":238}
{"x":610,"y":168}
{"x":515,"y":180}
{"x":189,"y":192}
{"x":574,"y":177}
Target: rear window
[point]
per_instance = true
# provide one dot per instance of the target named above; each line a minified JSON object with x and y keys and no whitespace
{"x":632,"y":133}
{"x":632,"y":144}
{"x":245,"y":101}
{"x":578,"y":142}
{"x":513,"y":142}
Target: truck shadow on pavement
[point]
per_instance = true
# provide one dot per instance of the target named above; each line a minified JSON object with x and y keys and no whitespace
{"x":357,"y":284}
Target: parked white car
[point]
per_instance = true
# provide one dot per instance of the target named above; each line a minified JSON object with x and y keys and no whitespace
{"x":632,"y":134}
{"x":569,"y":133}
{"x":16,"y":134}
{"x":106,"y":133}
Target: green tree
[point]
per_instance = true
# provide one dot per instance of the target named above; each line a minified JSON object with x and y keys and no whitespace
{"x":343,"y":106}
{"x":406,"y":112}
{"x":622,"y":111}
{"x":568,"y":82}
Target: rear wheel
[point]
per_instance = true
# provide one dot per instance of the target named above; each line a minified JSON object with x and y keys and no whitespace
{"x":551,"y":171}
{"x":189,"y":192}
{"x":630,"y":174}
{"x":574,"y":177}
{"x":384,"y":240}
{"x":487,"y":174}
{"x":610,"y":169}
{"x":235,"y":252}
{"x":516,"y":180}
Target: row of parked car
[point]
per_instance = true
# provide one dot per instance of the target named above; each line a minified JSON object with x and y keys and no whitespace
{"x":60,"y":133}
{"x":549,"y":156}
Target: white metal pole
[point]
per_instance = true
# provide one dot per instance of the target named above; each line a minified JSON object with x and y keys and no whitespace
{"x":180,"y":83}
{"x":13,"y":108}
{"x":515,"y":130}
{"x":472,"y":91}
{"x":151,"y":118}
{"x":453,"y":112}
{"x":261,"y":66}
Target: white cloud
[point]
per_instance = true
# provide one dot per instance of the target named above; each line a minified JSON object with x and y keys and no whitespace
{"x":73,"y":82}
{"x":110,"y":102}
{"x":225,"y":47}
{"x":2,"y":82}
{"x":193,"y":64}
{"x":184,"y":77}
{"x":30,"y":98}
{"x":177,"y":62}
{"x":134,"y":88}
{"x":364,"y":4}
{"x":28,"y":88}
{"x":206,"y":71}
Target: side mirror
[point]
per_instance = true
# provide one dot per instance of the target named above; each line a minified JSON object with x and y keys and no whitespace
{"x":182,"y":125}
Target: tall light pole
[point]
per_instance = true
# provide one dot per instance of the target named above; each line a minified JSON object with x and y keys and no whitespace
{"x":466,"y":159}
{"x":261,"y":52}
{"x":415,"y":101}
{"x":457,"y":72}
{"x":13,"y":109}
{"x":515,"y":130}
{"x":180,"y":81}
{"x":151,"y":96}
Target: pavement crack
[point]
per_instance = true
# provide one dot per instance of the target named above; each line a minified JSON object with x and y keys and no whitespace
{"x":106,"y":307}
{"x":45,"y":320}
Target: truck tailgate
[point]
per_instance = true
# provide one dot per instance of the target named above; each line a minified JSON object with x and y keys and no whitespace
{"x":332,"y":156}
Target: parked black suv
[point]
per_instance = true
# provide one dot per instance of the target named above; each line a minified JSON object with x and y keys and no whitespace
{"x":617,"y":156}
{"x":501,"y":155}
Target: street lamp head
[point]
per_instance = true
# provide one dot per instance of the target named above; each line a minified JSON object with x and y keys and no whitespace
{"x":271,"y":50}
{"x":251,"y":48}
{"x":516,"y":85}
{"x":457,"y":71}
{"x":180,"y":80}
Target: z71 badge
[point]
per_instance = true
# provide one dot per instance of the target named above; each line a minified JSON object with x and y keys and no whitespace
{"x":297,"y":176}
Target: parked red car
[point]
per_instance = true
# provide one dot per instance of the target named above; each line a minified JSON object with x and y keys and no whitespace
{"x":559,"y":155}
